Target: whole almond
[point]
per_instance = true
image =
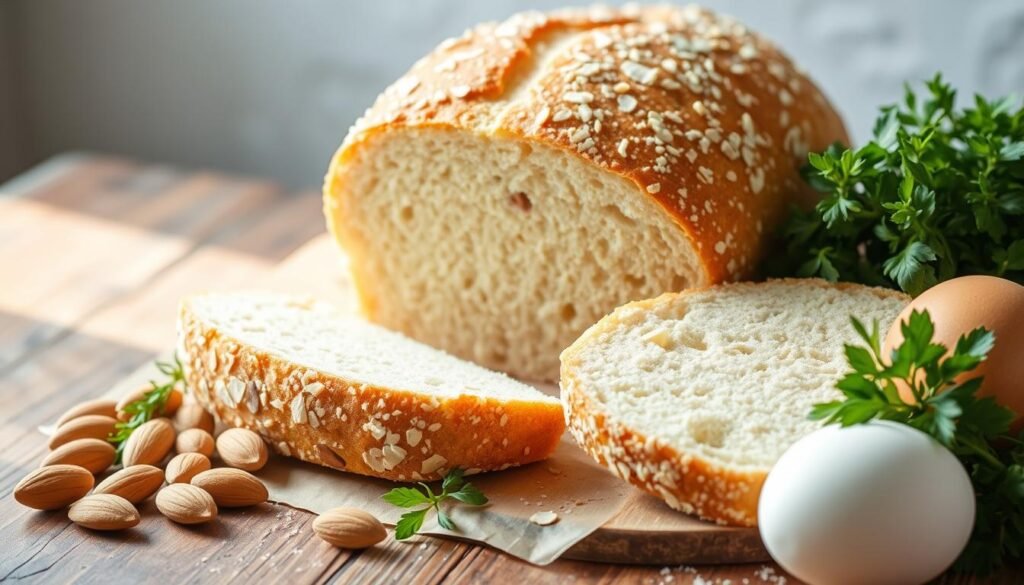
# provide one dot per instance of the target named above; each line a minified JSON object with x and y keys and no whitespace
{"x":183,"y":467}
{"x":135,"y":483}
{"x":194,"y":441}
{"x":232,"y":488}
{"x":104,"y":406}
{"x":174,"y":400}
{"x":349,"y":528}
{"x":87,"y":426}
{"x":104,"y":512}
{"x":92,"y":454}
{"x":193,"y":416}
{"x":149,"y":443}
{"x":53,"y":487}
{"x":186,"y":504}
{"x":243,"y":449}
{"x":133,"y":396}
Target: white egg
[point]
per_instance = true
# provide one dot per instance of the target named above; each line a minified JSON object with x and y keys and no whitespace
{"x":875,"y":504}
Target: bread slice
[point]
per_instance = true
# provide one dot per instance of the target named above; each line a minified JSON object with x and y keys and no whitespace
{"x":523,"y":180}
{"x":338,"y":391}
{"x":694,"y":396}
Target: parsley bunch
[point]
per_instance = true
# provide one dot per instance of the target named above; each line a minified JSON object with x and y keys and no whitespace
{"x":453,"y":486}
{"x":150,"y":405}
{"x":938,"y":193}
{"x":974,"y":429}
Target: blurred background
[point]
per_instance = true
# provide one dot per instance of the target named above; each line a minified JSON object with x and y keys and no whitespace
{"x":269,"y":88}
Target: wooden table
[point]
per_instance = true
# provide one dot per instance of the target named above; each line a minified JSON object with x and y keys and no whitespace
{"x":94,"y":254}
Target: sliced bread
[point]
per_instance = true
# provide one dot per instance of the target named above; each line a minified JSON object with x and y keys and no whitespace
{"x":693,"y":396}
{"x":335,"y":390}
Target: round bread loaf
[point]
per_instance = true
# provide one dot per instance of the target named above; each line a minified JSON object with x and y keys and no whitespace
{"x":526,"y":178}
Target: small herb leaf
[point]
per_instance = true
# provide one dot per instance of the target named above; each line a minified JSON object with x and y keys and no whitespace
{"x":410,"y":523}
{"x":453,"y":486}
{"x":405,"y":497}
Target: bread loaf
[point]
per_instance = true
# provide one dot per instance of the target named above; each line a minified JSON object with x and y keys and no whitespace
{"x":526,"y":178}
{"x":344,"y":393}
{"x":694,"y":396}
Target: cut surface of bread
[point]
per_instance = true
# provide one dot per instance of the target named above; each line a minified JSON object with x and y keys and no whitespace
{"x":473,"y":268}
{"x":333,"y":389}
{"x":526,"y":178}
{"x":694,"y":396}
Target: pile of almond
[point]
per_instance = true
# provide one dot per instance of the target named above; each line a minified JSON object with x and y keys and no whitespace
{"x":180,"y":441}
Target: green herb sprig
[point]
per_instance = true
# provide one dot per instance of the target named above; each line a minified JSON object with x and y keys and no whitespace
{"x":151,"y":404}
{"x":453,"y":486}
{"x":973,"y":428}
{"x":938,"y":193}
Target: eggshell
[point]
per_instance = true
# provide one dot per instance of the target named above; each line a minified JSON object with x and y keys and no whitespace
{"x":963,"y":304}
{"x":875,"y":504}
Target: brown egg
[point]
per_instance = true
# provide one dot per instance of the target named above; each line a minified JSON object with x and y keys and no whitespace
{"x":959,"y":306}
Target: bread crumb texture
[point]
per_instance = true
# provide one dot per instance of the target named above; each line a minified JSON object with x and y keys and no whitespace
{"x":341,"y":392}
{"x":694,"y":396}
{"x":524,"y":179}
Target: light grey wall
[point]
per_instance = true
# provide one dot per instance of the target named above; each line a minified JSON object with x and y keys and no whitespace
{"x":269,"y":87}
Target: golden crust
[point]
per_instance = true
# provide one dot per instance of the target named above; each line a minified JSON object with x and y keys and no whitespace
{"x":381,"y":432}
{"x":684,"y":481}
{"x":709,"y":119}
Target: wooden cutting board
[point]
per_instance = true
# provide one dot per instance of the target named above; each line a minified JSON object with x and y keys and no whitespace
{"x":646,"y":531}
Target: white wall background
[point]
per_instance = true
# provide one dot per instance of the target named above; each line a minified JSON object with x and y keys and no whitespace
{"x":269,"y":87}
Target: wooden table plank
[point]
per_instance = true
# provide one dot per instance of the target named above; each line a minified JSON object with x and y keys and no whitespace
{"x":99,"y":229}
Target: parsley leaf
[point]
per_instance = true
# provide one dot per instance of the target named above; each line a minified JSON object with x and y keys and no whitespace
{"x":410,"y":523}
{"x":945,"y":406}
{"x":454,"y":485}
{"x":404,"y":497}
{"x":938,"y":193}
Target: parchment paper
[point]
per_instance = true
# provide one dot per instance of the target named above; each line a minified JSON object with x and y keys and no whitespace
{"x":584,"y":495}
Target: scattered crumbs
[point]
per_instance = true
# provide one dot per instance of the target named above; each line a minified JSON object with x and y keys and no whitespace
{"x":545,"y":518}
{"x":765,"y":574}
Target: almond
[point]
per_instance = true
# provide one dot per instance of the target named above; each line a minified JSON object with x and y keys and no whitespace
{"x":134,"y":396}
{"x":103,"y":406}
{"x":193,"y":416}
{"x":186,"y":504}
{"x":135,"y":483}
{"x":53,"y":487}
{"x":349,"y":528}
{"x":87,"y":426}
{"x":92,"y":454}
{"x":174,"y":401}
{"x":104,"y":512}
{"x":149,"y":443}
{"x":232,"y":488}
{"x":194,"y":441}
{"x":185,"y":466}
{"x":243,"y":449}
